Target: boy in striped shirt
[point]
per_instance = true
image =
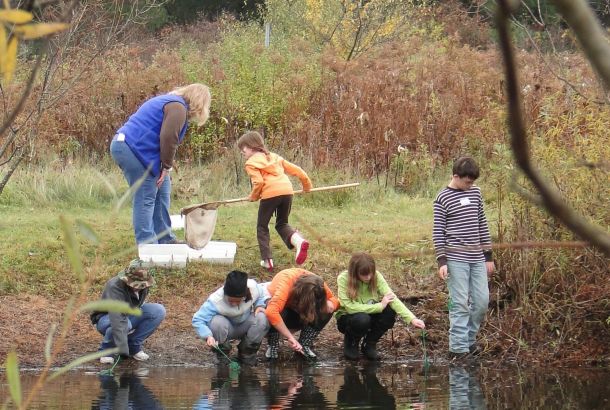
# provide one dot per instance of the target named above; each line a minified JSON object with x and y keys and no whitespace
{"x":463,"y":251}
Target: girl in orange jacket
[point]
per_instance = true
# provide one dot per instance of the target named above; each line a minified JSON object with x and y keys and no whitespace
{"x":300,"y":300}
{"x":272,"y":186}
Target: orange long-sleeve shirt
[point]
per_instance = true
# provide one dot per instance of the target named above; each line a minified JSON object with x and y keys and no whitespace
{"x":268,"y":175}
{"x":280,"y":289}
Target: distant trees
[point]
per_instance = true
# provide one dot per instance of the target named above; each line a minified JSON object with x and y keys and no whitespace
{"x":93,"y":27}
{"x":536,"y":12}
{"x":351,"y":27}
{"x":185,"y":11}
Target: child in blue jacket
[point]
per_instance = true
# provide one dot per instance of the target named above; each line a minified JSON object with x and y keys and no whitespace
{"x":234,"y":311}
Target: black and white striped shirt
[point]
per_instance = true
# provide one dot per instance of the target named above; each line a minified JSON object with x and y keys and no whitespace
{"x":460,"y":228}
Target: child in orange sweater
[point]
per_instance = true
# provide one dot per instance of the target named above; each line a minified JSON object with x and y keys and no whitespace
{"x":300,"y":300}
{"x":272,"y":186}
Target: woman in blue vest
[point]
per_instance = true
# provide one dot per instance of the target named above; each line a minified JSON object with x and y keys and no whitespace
{"x":144,"y":148}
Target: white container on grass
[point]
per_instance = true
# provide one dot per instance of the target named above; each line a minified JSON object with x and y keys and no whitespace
{"x":179,"y":254}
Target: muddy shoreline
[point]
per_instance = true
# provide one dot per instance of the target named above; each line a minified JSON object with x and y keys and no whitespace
{"x":25,"y":322}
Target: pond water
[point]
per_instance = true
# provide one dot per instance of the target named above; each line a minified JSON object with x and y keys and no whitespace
{"x":324,"y":385}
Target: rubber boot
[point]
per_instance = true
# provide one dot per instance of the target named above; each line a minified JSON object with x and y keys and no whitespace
{"x":226,"y":349}
{"x":306,"y":339}
{"x":369,"y":344}
{"x":350,"y":347}
{"x":385,"y":322}
{"x":369,"y":349}
{"x":273,"y":345}
{"x":301,"y":246}
{"x":247,"y":352}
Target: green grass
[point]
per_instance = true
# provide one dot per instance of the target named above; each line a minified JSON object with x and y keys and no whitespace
{"x":367,"y":218}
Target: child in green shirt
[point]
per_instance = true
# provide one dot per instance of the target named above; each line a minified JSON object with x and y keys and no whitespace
{"x":368,"y":307}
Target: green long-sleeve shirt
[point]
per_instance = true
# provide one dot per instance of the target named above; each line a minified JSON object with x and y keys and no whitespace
{"x":365,"y":301}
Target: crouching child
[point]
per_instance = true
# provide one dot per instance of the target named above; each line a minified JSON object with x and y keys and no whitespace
{"x":128,"y":332}
{"x":300,"y":300}
{"x":236,"y":311}
{"x":368,"y":308}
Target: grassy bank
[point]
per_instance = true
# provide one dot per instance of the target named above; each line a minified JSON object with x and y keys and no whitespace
{"x":370,"y":218}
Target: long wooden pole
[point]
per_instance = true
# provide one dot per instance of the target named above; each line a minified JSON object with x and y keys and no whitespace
{"x":189,"y":208}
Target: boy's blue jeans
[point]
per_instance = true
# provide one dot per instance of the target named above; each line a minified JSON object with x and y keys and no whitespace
{"x":464,"y":389}
{"x":143,"y":326}
{"x":150,"y":214}
{"x":469,"y":297}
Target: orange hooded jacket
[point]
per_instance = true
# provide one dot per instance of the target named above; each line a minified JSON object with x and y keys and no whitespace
{"x":268,"y":175}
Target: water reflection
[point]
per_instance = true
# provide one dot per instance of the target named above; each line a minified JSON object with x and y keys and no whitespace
{"x":464,"y":389}
{"x":233,"y":390}
{"x":308,"y":395}
{"x":361,"y":388}
{"x":125,"y":392}
{"x":289,"y":385}
{"x":244,"y":390}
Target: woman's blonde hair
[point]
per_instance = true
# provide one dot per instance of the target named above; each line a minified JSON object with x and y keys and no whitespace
{"x":308,"y":297}
{"x":198,"y":98}
{"x":361,"y":264}
{"x":252,"y":140}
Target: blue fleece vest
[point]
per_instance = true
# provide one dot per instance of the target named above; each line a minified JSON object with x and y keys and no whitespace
{"x":142,"y":131}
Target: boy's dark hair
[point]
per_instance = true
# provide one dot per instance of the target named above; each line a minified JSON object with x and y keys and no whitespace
{"x":466,"y":167}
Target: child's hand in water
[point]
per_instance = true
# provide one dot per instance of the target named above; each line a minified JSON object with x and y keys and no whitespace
{"x":295,"y":345}
{"x":418,"y":323}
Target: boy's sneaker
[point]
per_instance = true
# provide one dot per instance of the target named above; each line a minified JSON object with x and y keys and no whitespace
{"x":474,"y":349}
{"x":141,"y":356}
{"x":107,"y":360}
{"x":464,"y":357}
{"x":267,"y":264}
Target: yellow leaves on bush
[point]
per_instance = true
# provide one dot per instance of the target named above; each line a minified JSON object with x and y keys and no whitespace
{"x":15,"y":16}
{"x":15,"y":25}
{"x":10,"y":59}
{"x":32,"y":31}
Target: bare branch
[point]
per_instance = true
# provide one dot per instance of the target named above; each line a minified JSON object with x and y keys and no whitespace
{"x":13,"y":167}
{"x":590,"y":33}
{"x":10,"y":157}
{"x":551,"y":69}
{"x":26,"y":93}
{"x":551,"y":198}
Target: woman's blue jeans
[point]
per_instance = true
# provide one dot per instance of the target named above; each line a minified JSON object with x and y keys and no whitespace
{"x":139,"y":327}
{"x":469,"y":297}
{"x":150,"y":214}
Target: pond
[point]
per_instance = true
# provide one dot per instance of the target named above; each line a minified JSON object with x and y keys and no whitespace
{"x":324,"y":385}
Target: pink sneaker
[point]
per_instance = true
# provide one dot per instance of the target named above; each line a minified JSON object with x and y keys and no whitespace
{"x":301,"y":245}
{"x":267,"y":264}
{"x":301,"y":253}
